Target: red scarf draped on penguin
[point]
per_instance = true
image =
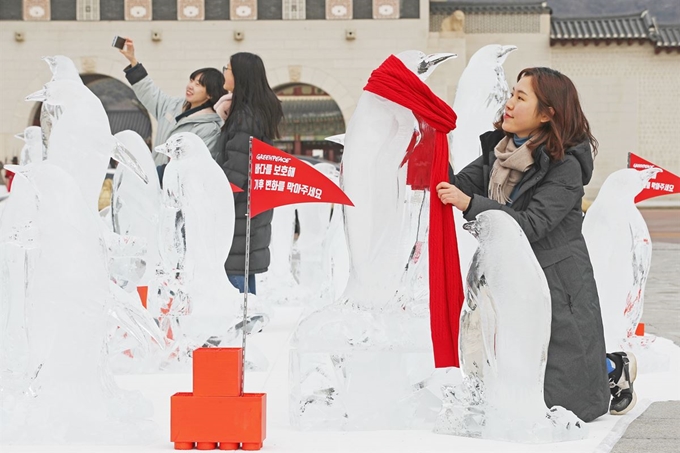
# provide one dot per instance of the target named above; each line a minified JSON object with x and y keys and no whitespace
{"x":393,"y":81}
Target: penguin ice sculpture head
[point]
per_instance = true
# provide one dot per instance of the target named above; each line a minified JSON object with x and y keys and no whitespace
{"x":626,"y":183}
{"x":33,"y":149}
{"x":493,"y":225}
{"x":423,"y":65}
{"x":41,"y":175}
{"x":62,"y":68}
{"x":173,"y":148}
{"x":184,"y":145}
{"x":492,"y":54}
{"x":485,"y":72}
{"x":502,"y":52}
{"x":32,"y":134}
{"x":58,"y":92}
{"x":473,"y":227}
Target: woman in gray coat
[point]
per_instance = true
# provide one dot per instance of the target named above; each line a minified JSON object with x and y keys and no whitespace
{"x":534,"y":166}
{"x":192,"y":113}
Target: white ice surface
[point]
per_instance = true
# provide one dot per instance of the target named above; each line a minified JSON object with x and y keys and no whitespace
{"x":274,"y":342}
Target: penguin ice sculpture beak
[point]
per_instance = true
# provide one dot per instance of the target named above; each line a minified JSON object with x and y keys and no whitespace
{"x":38,"y":96}
{"x":649,"y":174}
{"x":123,"y":156}
{"x":430,"y":62}
{"x":339,"y":139}
{"x":14,"y":168}
{"x":17,"y":170}
{"x":472,"y":228}
{"x":50,"y":61}
{"x":505,"y":50}
{"x":20,"y":136}
{"x":162,"y":149}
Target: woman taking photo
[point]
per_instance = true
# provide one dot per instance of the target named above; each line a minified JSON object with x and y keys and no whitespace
{"x":254,"y":111}
{"x":534,"y":166}
{"x":191,"y":113}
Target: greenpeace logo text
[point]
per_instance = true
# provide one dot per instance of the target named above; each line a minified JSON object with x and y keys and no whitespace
{"x":272,"y":158}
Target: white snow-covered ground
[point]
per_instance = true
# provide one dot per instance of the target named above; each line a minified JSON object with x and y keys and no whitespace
{"x":274,"y":342}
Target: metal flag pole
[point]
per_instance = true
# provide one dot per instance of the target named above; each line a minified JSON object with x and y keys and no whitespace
{"x":246,"y":283}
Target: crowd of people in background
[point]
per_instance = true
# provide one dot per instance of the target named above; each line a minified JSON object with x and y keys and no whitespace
{"x":224,"y":108}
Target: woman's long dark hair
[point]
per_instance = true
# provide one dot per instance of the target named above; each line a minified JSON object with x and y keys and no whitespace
{"x":558,"y":100}
{"x":252,"y":93}
{"x":213,"y":81}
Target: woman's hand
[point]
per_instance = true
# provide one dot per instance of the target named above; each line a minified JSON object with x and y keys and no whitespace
{"x":129,"y":52}
{"x":450,"y":194}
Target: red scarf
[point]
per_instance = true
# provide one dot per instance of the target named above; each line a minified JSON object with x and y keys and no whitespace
{"x":393,"y":81}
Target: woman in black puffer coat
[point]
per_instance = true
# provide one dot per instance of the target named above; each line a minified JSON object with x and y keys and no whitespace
{"x":256,"y":112}
{"x":534,"y":166}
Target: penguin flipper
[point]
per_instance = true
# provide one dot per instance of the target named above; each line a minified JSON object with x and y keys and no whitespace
{"x":489,"y":325}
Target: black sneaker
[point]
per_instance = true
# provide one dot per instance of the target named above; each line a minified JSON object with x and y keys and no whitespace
{"x":621,"y":382}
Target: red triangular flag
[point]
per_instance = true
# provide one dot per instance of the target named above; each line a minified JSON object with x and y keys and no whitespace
{"x":665,"y":182}
{"x":278,"y":178}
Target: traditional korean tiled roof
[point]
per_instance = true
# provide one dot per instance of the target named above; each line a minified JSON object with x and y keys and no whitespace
{"x":448,"y":7}
{"x":305,"y":109}
{"x":639,"y":27}
{"x":635,"y":27}
{"x":308,"y":116}
{"x":668,"y":38}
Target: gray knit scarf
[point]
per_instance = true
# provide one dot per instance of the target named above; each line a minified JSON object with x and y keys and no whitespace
{"x":511,"y":163}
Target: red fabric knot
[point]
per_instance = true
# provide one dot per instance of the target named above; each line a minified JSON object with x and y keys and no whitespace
{"x":395,"y":82}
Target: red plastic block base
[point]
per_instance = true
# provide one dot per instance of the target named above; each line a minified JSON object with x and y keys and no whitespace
{"x":218,"y":417}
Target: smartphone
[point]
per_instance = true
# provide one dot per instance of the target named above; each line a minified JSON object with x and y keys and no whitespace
{"x":118,"y":42}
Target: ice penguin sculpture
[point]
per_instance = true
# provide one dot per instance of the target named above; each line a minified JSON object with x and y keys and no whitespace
{"x":504,"y":336}
{"x":341,"y":351}
{"x":68,"y":397}
{"x":62,"y":69}
{"x":33,"y":150}
{"x":196,"y":228}
{"x":620,"y":249}
{"x":480,"y":96}
{"x":376,"y":142}
{"x":134,"y":204}
{"x":81,"y":142}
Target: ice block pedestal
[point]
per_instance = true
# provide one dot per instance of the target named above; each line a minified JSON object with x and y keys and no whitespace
{"x":216,"y":414}
{"x":356,"y":370}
